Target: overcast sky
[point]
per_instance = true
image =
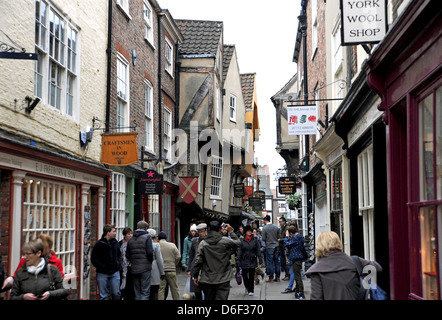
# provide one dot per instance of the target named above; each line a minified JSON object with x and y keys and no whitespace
{"x":264,"y":33}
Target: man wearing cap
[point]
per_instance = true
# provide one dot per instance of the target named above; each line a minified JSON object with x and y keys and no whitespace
{"x":270,"y":235}
{"x":213,"y":261}
{"x":202,"y":232}
{"x":139,"y":252}
{"x":171,"y":258}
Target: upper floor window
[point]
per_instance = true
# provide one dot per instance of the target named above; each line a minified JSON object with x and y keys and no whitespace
{"x":122,"y":93}
{"x":169,"y":57}
{"x":56,"y":79}
{"x":124,"y":4}
{"x":232,"y":104}
{"x":148,"y":21}
{"x":167,"y":133}
{"x":314,"y":27}
{"x":217,"y":175}
{"x":148,"y":115}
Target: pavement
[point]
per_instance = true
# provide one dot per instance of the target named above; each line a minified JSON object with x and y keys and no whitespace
{"x":263,"y":290}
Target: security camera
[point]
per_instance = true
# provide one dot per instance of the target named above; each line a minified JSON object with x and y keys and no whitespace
{"x":32,"y":105}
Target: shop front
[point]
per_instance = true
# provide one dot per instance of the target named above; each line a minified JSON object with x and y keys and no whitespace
{"x":43,"y":192}
{"x":406,"y":72}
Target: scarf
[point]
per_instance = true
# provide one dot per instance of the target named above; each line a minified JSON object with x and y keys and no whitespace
{"x":36,"y":269}
{"x":249,"y":238}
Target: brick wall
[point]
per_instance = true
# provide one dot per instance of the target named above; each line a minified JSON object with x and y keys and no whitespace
{"x":5,"y":197}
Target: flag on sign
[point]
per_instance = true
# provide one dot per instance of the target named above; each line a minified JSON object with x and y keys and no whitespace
{"x":188,"y":188}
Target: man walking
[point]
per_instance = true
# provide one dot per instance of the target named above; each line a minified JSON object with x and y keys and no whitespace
{"x":213,"y":261}
{"x":139,"y":252}
{"x":270,"y":235}
{"x":202,"y":232}
{"x":106,"y":257}
{"x":171,"y":258}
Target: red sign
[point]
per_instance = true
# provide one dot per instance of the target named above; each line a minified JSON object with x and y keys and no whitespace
{"x":188,"y":188}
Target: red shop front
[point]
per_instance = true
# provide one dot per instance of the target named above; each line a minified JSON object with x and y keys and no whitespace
{"x":405,"y":70}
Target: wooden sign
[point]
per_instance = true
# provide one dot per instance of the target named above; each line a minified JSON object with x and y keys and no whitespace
{"x":287,"y":185}
{"x":119,"y":149}
{"x":238,"y":190}
{"x":255,"y":203}
{"x":151,"y":182}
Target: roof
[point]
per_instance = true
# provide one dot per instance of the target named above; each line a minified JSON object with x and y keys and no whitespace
{"x":248,"y":87}
{"x":228,"y":50}
{"x":200,"y":36}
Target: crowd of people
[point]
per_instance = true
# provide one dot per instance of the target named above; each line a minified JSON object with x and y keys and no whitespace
{"x":142,"y":266}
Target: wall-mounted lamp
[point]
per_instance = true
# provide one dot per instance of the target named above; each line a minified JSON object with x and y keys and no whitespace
{"x":32,"y":103}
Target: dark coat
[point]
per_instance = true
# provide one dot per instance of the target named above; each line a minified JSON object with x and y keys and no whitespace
{"x":26,"y":282}
{"x":335,"y":277}
{"x":192,"y":255}
{"x":213,"y":258}
{"x":249,"y":252}
{"x":296,"y":248}
{"x":139,"y":252}
{"x":106,"y":256}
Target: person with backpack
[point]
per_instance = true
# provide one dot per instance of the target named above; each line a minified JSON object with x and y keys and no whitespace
{"x":334,"y":276}
{"x":297,"y":254}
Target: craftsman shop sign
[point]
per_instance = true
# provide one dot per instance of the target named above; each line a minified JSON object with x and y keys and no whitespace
{"x":363,"y":21}
{"x":287,"y":185}
{"x":119,"y":149}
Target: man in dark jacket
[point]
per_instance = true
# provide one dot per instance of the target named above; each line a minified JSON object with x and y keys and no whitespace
{"x":213,"y":260}
{"x":139,"y":252}
{"x":202,"y":232}
{"x":106,"y":257}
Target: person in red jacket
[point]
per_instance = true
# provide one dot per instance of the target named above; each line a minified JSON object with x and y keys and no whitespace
{"x":48,"y":253}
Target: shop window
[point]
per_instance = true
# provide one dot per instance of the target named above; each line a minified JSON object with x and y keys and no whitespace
{"x":49,"y":207}
{"x":336,"y":219}
{"x":154,"y":212}
{"x":118,"y":203}
{"x":430,"y":213}
{"x":366,"y":200}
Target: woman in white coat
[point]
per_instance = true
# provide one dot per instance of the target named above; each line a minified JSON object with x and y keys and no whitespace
{"x":157,"y":266}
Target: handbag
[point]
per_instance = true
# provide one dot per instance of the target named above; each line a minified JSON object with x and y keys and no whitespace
{"x":238,"y":277}
{"x":51,"y":280}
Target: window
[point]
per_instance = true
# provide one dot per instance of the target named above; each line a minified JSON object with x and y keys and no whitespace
{"x":167,"y":133}
{"x":122,"y":93}
{"x":124,"y":4}
{"x":314,"y":27}
{"x":49,"y":207}
{"x":336,"y":214}
{"x":366,"y":200}
{"x":169,"y":57}
{"x":148,"y":21}
{"x":118,"y":203}
{"x":430,"y":215}
{"x":232,"y":107}
{"x":148,"y":115}
{"x":55,"y":76}
{"x":217,"y":100}
{"x":217,"y":175}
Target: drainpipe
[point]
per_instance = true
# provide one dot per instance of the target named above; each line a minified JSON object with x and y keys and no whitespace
{"x":109,"y":61}
{"x":160,"y":104}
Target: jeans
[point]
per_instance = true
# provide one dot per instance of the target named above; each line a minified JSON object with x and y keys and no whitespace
{"x":142,"y":285}
{"x":295,"y":275}
{"x":109,"y":283}
{"x":273,"y":262}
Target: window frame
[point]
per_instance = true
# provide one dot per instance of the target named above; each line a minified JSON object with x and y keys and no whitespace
{"x":148,"y":116}
{"x":232,"y":107}
{"x":216,"y":177}
{"x":168,"y":56}
{"x":123,"y":100}
{"x":148,"y":22}
{"x":167,"y":133}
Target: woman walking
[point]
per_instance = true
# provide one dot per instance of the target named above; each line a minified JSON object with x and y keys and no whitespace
{"x":248,"y":254}
{"x":37,"y":279}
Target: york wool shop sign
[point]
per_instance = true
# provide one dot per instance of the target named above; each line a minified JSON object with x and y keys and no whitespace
{"x":119,"y":149}
{"x":363,"y":21}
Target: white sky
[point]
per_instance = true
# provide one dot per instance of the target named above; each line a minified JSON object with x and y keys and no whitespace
{"x":264,"y":34}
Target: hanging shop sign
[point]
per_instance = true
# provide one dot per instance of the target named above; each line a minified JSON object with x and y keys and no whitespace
{"x":302,"y":120}
{"x":188,"y":188}
{"x":255,"y":203}
{"x":363,"y":21}
{"x":151,"y":182}
{"x":119,"y":149}
{"x":287,"y":185}
{"x":262,"y":195}
{"x":248,"y":192}
{"x":238,"y":190}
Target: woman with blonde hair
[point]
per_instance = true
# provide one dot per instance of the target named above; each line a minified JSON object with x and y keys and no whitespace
{"x":334,"y":275}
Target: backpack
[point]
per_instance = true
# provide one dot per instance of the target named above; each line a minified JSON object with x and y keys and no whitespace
{"x":374,"y":292}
